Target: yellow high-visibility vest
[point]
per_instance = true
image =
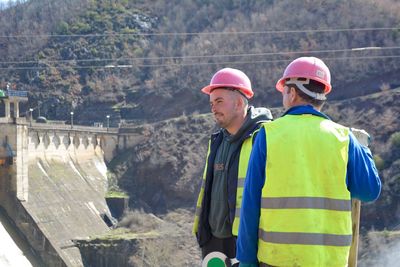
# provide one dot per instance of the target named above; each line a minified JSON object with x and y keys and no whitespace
{"x":305,"y":215}
{"x":244,"y":157}
{"x":201,"y":195}
{"x":245,"y":152}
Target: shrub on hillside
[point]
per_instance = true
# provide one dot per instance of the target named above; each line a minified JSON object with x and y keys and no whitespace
{"x":140,"y":222}
{"x":395,"y":140}
{"x":62,"y":28}
{"x":379,"y":162}
{"x":81,"y":28}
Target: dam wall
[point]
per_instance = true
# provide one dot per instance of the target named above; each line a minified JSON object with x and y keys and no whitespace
{"x":53,"y":184}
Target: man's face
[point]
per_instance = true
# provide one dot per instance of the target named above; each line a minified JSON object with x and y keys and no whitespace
{"x":224,"y":106}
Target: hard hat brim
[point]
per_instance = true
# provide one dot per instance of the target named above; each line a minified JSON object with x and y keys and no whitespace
{"x":208,"y":89}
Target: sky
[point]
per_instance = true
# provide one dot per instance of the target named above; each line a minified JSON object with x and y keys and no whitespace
{"x":4,"y":3}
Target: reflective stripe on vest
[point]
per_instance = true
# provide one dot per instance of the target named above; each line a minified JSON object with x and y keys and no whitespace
{"x":305,"y":203}
{"x":201,"y":195}
{"x":305,"y":215}
{"x":305,"y":238}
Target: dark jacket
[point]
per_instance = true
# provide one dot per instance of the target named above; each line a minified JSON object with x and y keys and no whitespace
{"x":256,"y":117}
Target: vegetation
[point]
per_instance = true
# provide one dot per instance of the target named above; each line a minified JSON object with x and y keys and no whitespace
{"x":379,"y":162}
{"x":116,"y":194}
{"x":122,"y":234}
{"x":395,"y":140}
{"x":72,"y":50}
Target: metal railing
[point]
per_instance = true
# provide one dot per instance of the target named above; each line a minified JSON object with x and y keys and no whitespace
{"x":17,"y":93}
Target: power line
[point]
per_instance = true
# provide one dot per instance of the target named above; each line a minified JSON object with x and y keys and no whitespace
{"x":202,"y":56}
{"x":183,"y":64}
{"x":114,"y":34}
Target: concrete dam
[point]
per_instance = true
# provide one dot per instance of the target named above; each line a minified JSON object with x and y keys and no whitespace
{"x":53,"y":181}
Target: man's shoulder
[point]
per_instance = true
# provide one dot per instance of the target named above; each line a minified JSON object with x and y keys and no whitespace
{"x":260,"y":114}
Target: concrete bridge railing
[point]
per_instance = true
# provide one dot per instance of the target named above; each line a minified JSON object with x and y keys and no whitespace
{"x":55,"y":140}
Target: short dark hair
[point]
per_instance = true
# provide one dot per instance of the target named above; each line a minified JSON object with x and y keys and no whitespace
{"x":313,"y":86}
{"x":233,"y":89}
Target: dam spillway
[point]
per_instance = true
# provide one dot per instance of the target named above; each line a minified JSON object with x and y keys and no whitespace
{"x":52,"y":186}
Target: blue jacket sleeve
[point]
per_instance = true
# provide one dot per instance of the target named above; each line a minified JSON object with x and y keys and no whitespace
{"x":247,"y":241}
{"x":248,"y":264}
{"x":362,"y":179}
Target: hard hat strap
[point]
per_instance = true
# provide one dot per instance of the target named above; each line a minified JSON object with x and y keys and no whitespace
{"x":300,"y":85}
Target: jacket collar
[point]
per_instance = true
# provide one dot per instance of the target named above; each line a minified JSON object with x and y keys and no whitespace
{"x":305,"y":109}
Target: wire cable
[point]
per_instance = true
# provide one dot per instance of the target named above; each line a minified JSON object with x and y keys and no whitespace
{"x":115,"y":34}
{"x":40,"y":61}
{"x":197,"y":63}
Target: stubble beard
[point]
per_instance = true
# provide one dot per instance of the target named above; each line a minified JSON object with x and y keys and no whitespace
{"x":219,"y":120}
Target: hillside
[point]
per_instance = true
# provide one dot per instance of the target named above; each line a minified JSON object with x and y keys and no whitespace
{"x":139,"y":61}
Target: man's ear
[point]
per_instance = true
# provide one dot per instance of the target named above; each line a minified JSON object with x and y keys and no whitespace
{"x":238,"y":101}
{"x":292,"y":94}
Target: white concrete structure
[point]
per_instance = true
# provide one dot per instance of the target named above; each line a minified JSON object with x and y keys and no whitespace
{"x":12,"y":101}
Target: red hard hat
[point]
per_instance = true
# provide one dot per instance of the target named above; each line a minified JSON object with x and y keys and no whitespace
{"x":307,"y":67}
{"x":231,"y":78}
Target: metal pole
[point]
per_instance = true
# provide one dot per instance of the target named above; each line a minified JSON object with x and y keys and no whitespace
{"x":72,"y":119}
{"x":39,"y":104}
{"x":30,"y":118}
{"x":108,"y":122}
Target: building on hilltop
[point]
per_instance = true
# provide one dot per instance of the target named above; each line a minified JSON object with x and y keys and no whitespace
{"x":11,"y":99}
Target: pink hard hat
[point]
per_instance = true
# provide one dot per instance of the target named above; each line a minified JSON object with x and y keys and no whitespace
{"x":230,"y":78}
{"x":307,"y":67}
